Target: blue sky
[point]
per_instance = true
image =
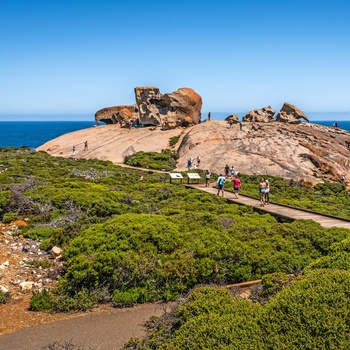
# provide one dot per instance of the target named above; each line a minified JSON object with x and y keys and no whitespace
{"x":78,"y":56}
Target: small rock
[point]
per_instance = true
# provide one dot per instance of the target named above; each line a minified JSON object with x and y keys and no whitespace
{"x":4,"y":289}
{"x":26,"y":285}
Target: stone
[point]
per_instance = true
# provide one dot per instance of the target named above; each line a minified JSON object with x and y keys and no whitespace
{"x":179,"y":108}
{"x":116,"y":114}
{"x":56,"y":252}
{"x":26,"y":285}
{"x":4,"y":289}
{"x":263,"y":115}
{"x":234,"y":118}
{"x":290,"y":114}
{"x":4,"y":265}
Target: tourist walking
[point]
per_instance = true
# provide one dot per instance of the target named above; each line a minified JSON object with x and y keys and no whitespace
{"x":189,"y":164}
{"x":73,"y":151}
{"x":227,"y":170}
{"x":198,"y":160}
{"x":236,"y":185}
{"x":233,"y":171}
{"x":221,"y":184}
{"x":267,"y":192}
{"x":262,"y":191}
{"x":209,"y":116}
{"x":86,"y":146}
{"x":342,"y":177}
{"x":207,"y":178}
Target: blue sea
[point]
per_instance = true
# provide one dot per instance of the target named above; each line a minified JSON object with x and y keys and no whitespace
{"x":35,"y":133}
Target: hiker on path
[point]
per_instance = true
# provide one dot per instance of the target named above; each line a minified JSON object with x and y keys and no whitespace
{"x":73,"y":151}
{"x":236,"y":185}
{"x":198,"y":160}
{"x":262,"y":191}
{"x":86,"y":146}
{"x":221,"y":184}
{"x":233,"y":171}
{"x":207,"y":178}
{"x":227,"y":170}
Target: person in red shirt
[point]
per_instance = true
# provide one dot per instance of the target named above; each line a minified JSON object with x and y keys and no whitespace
{"x":236,"y":185}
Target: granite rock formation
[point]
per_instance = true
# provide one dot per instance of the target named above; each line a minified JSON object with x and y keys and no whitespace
{"x":179,"y":108}
{"x":306,"y":151}
{"x":116,"y":114}
{"x":290,"y":114}
{"x":263,"y":115}
{"x":234,"y":118}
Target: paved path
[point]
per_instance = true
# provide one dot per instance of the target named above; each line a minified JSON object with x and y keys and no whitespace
{"x":282,"y":211}
{"x":104,"y":331}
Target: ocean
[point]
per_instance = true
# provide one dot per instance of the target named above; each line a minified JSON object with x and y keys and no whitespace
{"x":35,"y":133}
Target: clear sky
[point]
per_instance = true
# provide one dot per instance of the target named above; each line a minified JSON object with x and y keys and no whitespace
{"x":78,"y":56}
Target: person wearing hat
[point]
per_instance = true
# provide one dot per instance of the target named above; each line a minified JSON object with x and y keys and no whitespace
{"x":267,"y":192}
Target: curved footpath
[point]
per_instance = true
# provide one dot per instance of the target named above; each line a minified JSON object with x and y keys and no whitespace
{"x":104,"y":331}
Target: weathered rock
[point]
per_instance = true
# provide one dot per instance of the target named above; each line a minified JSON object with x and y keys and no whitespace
{"x":26,"y":285}
{"x":234,"y":118}
{"x":4,"y":289}
{"x":179,"y":108}
{"x":290,"y":114}
{"x":56,"y":252}
{"x":263,"y":115}
{"x":113,"y":115}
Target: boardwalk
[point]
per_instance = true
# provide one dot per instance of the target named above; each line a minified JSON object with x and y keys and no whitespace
{"x":281,"y":211}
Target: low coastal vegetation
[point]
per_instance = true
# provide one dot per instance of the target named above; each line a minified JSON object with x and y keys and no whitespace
{"x":129,"y":236}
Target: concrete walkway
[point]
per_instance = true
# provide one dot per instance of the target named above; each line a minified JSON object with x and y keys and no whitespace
{"x":281,"y":211}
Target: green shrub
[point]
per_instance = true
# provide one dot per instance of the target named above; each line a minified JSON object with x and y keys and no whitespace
{"x":173,"y":141}
{"x":81,"y":301}
{"x":130,"y":297}
{"x":43,"y":263}
{"x":41,"y":301}
{"x":8,"y":217}
{"x":313,"y":313}
{"x":46,"y":245}
{"x":4,"y":297}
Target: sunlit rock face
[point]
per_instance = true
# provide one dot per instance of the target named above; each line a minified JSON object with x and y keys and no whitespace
{"x":116,"y":114}
{"x":263,"y":115}
{"x":290,"y":114}
{"x":179,"y":108}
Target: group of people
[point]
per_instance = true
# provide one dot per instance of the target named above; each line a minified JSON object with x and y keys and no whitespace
{"x":264,"y":192}
{"x":264,"y":187}
{"x":191,"y":165}
{"x":86,"y":147}
{"x":221,"y":185}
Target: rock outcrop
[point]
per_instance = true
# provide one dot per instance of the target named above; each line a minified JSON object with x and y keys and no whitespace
{"x":290,"y":114}
{"x":234,"y":118}
{"x":113,"y":115}
{"x":295,"y":151}
{"x":179,"y":108}
{"x":263,"y":115}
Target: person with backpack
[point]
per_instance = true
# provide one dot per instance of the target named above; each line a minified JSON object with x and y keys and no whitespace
{"x":221,"y":184}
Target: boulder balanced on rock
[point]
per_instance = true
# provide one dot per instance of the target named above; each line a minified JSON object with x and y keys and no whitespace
{"x":290,"y":114}
{"x":179,"y":108}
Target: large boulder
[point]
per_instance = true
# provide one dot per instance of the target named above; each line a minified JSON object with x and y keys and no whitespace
{"x":179,"y":108}
{"x":234,"y":118}
{"x":263,"y":115}
{"x":113,"y":115}
{"x":290,"y":114}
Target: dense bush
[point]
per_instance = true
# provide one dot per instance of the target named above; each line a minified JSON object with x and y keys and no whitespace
{"x":153,"y":160}
{"x":8,"y":217}
{"x":312,"y":313}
